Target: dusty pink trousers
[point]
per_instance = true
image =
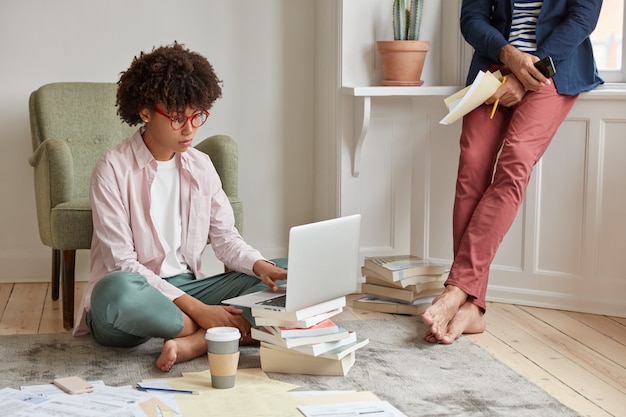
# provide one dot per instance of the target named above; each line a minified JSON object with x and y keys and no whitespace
{"x":491,"y":184}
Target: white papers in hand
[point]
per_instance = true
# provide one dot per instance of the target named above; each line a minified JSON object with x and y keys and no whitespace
{"x":464,"y":101}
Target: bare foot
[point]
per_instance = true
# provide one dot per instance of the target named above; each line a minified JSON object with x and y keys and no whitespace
{"x":168,"y":355}
{"x":444,"y":307}
{"x":181,"y":349}
{"x":469,"y":319}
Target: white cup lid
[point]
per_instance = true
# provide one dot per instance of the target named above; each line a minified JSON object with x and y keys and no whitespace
{"x":222,"y":334}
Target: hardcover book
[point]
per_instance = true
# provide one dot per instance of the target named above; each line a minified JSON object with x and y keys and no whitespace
{"x":322,"y":328}
{"x":303,"y":324}
{"x":406,"y":295}
{"x":320,"y":349}
{"x":303,"y":313}
{"x":399,"y":267}
{"x":268,"y":334}
{"x":337,"y":353}
{"x":375,"y":278}
{"x":289,"y":362}
{"x":370,"y":303}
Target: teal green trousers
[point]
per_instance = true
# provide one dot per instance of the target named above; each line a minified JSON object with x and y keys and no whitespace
{"x":126,"y":311}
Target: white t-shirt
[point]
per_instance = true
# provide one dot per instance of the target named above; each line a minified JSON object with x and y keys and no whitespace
{"x":165,"y":212}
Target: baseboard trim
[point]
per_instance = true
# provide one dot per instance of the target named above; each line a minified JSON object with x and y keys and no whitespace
{"x":555,"y":300}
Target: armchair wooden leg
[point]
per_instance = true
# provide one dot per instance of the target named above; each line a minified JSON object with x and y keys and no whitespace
{"x":69,"y":263}
{"x":56,"y":273}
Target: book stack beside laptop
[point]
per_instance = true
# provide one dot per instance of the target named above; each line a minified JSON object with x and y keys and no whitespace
{"x":401,"y":284}
{"x":306,"y":341}
{"x":323,"y":267}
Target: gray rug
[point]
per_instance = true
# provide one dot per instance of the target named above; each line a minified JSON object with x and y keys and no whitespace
{"x":417,"y":377}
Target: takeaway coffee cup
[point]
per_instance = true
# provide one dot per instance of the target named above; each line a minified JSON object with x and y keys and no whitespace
{"x":223,"y":352}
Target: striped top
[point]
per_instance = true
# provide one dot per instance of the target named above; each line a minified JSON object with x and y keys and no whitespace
{"x":524,"y":23}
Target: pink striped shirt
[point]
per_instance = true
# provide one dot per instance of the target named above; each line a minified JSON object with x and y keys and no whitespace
{"x":124,"y":236}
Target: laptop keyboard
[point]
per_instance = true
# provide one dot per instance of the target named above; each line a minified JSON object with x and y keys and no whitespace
{"x":274,"y":302}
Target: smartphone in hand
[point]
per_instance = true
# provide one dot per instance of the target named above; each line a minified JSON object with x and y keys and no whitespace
{"x":546,"y":67}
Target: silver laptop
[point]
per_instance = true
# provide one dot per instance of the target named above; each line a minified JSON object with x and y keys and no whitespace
{"x":323,"y":265}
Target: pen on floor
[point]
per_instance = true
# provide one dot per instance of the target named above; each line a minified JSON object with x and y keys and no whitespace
{"x":495,"y":105}
{"x":171,"y":390}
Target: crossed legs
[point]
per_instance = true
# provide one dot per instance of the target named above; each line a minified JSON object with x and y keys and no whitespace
{"x":496,"y":161}
{"x":126,"y":311}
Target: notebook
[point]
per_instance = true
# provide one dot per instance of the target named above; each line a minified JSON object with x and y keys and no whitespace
{"x":323,"y":265}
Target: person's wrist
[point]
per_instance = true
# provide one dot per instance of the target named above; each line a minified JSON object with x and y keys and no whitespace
{"x":505,"y":53}
{"x":260,"y":265}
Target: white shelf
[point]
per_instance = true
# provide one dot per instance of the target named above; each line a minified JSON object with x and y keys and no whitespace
{"x":363,"y":107}
{"x":384,"y":91}
{"x":607,"y":91}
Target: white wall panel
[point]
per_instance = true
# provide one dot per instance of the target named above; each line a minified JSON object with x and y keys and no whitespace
{"x":612,"y":202}
{"x":381,"y":191}
{"x":561,"y":201}
{"x":435,"y":164}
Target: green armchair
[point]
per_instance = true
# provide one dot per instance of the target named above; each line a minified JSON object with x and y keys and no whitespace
{"x":72,"y":125}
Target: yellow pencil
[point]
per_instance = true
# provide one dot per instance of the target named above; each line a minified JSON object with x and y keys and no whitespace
{"x":495,"y":105}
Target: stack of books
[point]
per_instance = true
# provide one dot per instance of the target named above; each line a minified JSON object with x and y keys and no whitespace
{"x":306,"y":341}
{"x":402,"y":284}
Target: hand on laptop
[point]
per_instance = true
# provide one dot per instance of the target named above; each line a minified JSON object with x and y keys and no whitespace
{"x":269,"y":273}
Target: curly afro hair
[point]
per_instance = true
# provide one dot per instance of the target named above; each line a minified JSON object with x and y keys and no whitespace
{"x":171,"y":75}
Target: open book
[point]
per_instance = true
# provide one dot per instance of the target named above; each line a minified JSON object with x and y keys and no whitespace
{"x":462,"y":102}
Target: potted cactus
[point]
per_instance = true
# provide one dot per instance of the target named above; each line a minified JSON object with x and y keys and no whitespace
{"x":403,"y":58}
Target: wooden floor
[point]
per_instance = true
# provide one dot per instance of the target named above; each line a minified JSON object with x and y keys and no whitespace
{"x":580,"y":359}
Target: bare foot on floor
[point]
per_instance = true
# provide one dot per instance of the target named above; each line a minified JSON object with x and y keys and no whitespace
{"x":439,"y":315}
{"x":469,"y":319}
{"x":168,"y":355}
{"x":181,"y":349}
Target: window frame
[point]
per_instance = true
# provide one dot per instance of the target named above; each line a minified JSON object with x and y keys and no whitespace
{"x":617,"y":75}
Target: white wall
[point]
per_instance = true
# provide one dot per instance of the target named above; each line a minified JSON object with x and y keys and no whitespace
{"x":368,"y":21}
{"x":263,"y":51}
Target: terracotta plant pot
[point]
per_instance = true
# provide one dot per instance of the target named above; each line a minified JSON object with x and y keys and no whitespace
{"x":402,"y":61}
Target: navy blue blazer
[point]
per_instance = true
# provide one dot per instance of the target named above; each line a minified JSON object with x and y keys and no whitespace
{"x":563,"y":30}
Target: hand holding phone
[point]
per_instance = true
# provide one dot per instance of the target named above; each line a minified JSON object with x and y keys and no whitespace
{"x":546,"y":67}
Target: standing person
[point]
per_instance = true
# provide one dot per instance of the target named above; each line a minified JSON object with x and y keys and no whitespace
{"x":498,"y":155}
{"x":156,"y":201}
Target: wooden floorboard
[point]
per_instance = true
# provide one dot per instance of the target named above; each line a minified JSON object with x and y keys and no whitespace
{"x":592,"y":347}
{"x":51,"y":316}
{"x":5,"y":293}
{"x":578,"y":358}
{"x":23,"y":309}
{"x":609,"y":327}
{"x":558,"y":354}
{"x":500,"y":347}
{"x":52,"y":313}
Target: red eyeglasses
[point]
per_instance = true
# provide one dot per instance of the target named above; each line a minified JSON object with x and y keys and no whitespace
{"x":177,"y":122}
